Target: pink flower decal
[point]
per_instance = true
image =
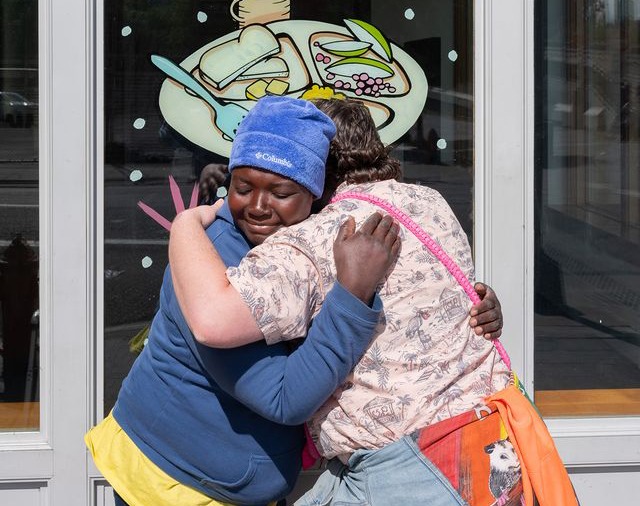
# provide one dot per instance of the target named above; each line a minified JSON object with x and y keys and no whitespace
{"x":177,"y":202}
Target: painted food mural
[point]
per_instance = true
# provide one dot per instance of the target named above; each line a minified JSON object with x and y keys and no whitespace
{"x":299,"y":58}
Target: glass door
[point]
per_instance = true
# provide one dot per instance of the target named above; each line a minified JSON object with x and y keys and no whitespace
{"x":587,"y":205}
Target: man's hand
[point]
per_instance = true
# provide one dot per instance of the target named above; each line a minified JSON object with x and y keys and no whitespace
{"x":364,"y":257}
{"x":205,"y":214}
{"x":486,"y":317}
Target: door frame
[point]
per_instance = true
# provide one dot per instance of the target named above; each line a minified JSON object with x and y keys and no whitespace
{"x":49,"y":466}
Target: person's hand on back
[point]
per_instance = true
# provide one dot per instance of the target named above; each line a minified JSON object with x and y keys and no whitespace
{"x":486,"y":317}
{"x":364,"y":257}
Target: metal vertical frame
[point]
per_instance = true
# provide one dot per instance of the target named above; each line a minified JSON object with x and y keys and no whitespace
{"x":503,"y":165}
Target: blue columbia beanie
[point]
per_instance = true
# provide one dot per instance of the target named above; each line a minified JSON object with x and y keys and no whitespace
{"x":286,"y":136}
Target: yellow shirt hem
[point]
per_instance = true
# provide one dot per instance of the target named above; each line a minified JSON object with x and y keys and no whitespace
{"x":136,"y":479}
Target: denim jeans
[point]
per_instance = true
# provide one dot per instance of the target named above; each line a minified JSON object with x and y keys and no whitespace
{"x":397,"y":474}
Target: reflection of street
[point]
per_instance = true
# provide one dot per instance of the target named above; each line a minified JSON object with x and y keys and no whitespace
{"x":17,"y":145}
{"x":130,"y":290}
{"x":19,"y":320}
{"x":16,"y":110}
{"x":587,"y":269}
{"x":588,"y":272}
{"x":587,"y":334}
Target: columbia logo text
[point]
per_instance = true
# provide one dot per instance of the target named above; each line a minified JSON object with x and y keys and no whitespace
{"x":272,"y":158}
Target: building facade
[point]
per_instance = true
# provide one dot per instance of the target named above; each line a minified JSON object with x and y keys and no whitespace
{"x":524,"y":114}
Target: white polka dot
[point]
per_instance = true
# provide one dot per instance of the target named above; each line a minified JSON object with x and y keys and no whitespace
{"x":147,"y":262}
{"x":126,"y":31}
{"x":135,"y":175}
{"x":442,"y":144}
{"x":453,"y":56}
{"x":139,"y":124}
{"x":409,"y":14}
{"x":221,"y":193}
{"x":202,"y":17}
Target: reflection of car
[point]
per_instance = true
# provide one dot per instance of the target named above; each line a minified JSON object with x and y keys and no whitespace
{"x":17,"y":110}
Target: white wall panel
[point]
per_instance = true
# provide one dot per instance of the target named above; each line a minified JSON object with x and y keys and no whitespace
{"x":23,"y":494}
{"x":605,"y":486}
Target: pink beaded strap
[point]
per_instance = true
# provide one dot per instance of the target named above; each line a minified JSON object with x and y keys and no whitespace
{"x":426,"y":239}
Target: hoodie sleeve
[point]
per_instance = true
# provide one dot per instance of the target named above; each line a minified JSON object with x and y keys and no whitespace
{"x":288,"y":387}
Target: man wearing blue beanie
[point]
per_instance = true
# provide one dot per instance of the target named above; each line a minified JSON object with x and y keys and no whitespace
{"x":186,"y":428}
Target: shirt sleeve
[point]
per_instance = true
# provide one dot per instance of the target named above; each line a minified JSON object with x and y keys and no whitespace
{"x":282,"y":286}
{"x":288,"y":389}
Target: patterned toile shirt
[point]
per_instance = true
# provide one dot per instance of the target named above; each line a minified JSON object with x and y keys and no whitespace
{"x":425,"y":363}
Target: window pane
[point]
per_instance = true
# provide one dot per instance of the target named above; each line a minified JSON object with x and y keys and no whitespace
{"x":150,"y":138}
{"x":587,"y":322}
{"x":19,"y":240}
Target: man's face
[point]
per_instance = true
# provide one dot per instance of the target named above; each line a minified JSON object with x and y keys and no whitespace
{"x":262,"y":202}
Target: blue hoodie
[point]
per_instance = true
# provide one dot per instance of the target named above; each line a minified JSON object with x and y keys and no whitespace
{"x":228,"y":421}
